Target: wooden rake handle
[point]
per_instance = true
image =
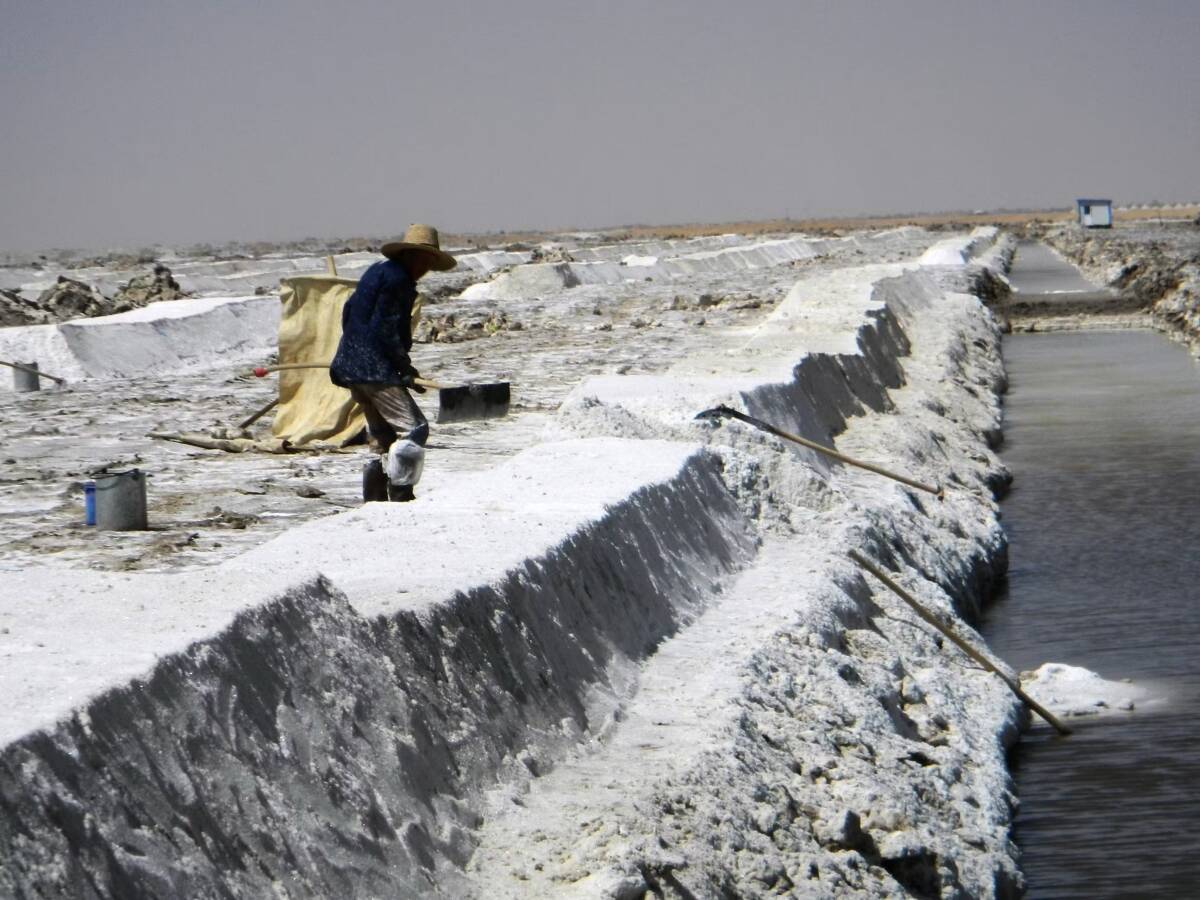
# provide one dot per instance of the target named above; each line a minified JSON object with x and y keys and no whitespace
{"x":727,"y":412}
{"x":32,"y":371}
{"x":959,"y":642}
{"x":263,"y":371}
{"x":258,"y":414}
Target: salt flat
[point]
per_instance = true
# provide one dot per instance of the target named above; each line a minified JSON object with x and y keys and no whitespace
{"x":208,"y":505}
{"x":641,"y":625}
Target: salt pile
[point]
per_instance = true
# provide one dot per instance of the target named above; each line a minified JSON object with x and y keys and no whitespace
{"x":536,"y":279}
{"x":167,"y":336}
{"x":1075,"y":691}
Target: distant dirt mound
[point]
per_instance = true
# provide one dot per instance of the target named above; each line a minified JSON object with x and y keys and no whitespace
{"x":454,"y":329}
{"x":71,"y":299}
{"x":149,"y":288}
{"x":17,"y":310}
{"x":550,"y":254}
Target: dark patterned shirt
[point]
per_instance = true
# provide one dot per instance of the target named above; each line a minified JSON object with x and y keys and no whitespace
{"x":376,"y":323}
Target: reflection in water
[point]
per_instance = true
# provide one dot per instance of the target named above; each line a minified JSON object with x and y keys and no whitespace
{"x":1103,"y":437}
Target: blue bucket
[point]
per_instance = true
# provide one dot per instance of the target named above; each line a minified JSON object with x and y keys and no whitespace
{"x":89,"y":503}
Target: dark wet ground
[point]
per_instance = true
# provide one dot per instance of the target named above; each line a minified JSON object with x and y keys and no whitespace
{"x":1103,"y":438}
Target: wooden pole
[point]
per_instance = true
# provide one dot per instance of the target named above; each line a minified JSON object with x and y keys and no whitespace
{"x":246,"y":423}
{"x":959,"y":642}
{"x":287,"y":367}
{"x":238,"y":445}
{"x":13,"y":365}
{"x":263,"y":371}
{"x":719,"y":411}
{"x":331,"y":266}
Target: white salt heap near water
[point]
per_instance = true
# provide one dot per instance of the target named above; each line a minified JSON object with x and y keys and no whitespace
{"x":1075,"y":691}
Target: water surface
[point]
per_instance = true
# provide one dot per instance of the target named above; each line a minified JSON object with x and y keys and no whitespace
{"x":1038,"y":271}
{"x":1103,"y":438}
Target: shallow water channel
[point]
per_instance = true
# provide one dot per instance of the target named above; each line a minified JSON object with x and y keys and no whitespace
{"x":1103,"y":439}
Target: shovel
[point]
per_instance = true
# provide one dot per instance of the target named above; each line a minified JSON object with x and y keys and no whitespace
{"x":456,"y":403}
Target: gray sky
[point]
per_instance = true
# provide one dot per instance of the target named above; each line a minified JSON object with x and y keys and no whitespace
{"x":134,"y":122}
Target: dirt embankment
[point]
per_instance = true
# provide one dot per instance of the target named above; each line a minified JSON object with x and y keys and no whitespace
{"x":69,"y":298}
{"x":1155,"y":264}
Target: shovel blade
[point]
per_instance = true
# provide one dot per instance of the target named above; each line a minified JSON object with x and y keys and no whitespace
{"x":470,"y":402}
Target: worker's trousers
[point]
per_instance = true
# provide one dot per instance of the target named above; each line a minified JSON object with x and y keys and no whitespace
{"x":391,"y":413}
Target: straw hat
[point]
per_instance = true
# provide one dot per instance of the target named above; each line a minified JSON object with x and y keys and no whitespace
{"x":425,"y":239}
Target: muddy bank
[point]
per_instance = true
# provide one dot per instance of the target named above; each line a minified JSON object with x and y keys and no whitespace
{"x":647,"y":624}
{"x":1155,"y":265}
{"x":1045,"y":291}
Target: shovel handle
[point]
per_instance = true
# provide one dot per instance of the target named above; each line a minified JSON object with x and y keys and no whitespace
{"x":426,"y":383}
{"x":719,"y":411}
{"x":263,"y":371}
{"x":258,"y":414}
{"x":31,"y":371}
{"x":962,"y":645}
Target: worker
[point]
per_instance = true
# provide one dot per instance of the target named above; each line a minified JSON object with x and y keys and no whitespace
{"x":373,"y":361}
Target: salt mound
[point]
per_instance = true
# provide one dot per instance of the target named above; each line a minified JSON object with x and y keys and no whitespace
{"x":1075,"y":691}
{"x":956,"y":251}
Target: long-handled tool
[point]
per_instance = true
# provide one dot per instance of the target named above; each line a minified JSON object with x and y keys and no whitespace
{"x":958,"y":642}
{"x":32,"y":371}
{"x":719,"y":412}
{"x":258,"y":414}
{"x":456,"y":403}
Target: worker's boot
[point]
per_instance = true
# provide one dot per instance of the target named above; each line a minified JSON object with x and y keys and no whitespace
{"x":404,"y":462}
{"x":374,"y":482}
{"x":400,"y":493}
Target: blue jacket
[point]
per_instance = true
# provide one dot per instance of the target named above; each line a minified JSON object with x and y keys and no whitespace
{"x":376,"y":323}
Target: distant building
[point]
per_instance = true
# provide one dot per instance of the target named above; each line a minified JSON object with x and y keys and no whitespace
{"x":1094,"y":213}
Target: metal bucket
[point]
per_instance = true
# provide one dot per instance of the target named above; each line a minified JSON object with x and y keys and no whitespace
{"x":121,"y":501}
{"x":24,"y":382}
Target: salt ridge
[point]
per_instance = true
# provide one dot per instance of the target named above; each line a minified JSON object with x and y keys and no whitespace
{"x":311,"y":695}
